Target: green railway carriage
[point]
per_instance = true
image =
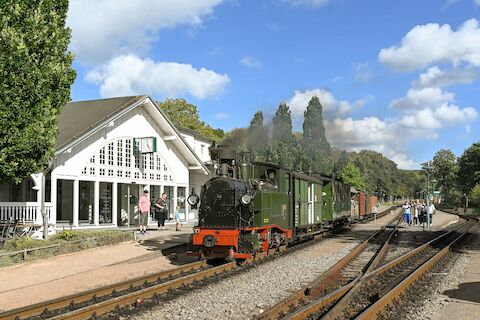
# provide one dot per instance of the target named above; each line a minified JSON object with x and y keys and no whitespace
{"x":293,"y":200}
{"x":254,"y":206}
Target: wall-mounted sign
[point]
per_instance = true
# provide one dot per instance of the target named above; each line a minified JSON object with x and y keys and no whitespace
{"x":144,"y":145}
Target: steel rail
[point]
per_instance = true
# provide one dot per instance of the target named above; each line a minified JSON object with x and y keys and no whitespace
{"x":137,"y":297}
{"x":319,"y":287}
{"x":346,"y":299}
{"x":82,"y":297}
{"x":389,"y":297}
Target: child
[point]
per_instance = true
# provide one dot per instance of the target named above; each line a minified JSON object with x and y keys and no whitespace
{"x":177,"y":219}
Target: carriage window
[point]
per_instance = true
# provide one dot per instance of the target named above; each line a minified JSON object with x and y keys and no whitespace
{"x":287,"y":182}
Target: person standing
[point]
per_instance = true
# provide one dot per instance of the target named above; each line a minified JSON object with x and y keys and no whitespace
{"x":431,"y":211}
{"x":144,"y":207}
{"x":177,"y":219}
{"x":416,"y":209}
{"x":405,"y":212}
{"x":161,"y":209}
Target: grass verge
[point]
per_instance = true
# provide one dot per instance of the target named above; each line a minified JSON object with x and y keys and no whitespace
{"x":67,"y":241}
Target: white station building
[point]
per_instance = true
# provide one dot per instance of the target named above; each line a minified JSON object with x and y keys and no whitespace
{"x":108,"y":151}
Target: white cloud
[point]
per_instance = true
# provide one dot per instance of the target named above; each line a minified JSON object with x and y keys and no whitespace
{"x":251,"y":63}
{"x":422,"y":98}
{"x":130,"y":75}
{"x":308,"y":3}
{"x":108,"y":28}
{"x":331,"y":106}
{"x":435,"y":77}
{"x":444,"y":116}
{"x":370,"y":133}
{"x":432,"y":43}
{"x":222,"y":116}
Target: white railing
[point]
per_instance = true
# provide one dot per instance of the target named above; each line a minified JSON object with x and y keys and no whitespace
{"x":24,"y":211}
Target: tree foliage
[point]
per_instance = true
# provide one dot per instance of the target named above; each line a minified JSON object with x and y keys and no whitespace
{"x":351,"y":175}
{"x":282,"y":123}
{"x":474,"y":195}
{"x":469,"y":168}
{"x":445,"y":170}
{"x":185,"y":115}
{"x":36,"y":75}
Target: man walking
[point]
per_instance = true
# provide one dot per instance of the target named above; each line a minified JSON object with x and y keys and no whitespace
{"x":144,"y":207}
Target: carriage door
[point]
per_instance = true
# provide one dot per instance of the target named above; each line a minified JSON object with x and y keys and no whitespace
{"x":310,"y":203}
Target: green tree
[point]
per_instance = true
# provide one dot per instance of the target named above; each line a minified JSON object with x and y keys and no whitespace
{"x":445,"y":171}
{"x":313,"y":129}
{"x":351,"y":175}
{"x":474,"y":196}
{"x":315,"y":143}
{"x":469,"y":168}
{"x":36,"y":75}
{"x":185,"y":115}
{"x":257,"y":133}
{"x":282,"y":123}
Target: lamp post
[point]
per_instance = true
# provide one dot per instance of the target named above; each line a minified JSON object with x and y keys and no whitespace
{"x":427,"y":168}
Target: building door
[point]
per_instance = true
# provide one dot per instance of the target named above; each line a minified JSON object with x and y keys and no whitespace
{"x":127,"y":199}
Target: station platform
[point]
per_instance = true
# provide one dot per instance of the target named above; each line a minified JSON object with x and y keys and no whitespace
{"x":462,"y":299}
{"x":33,"y":282}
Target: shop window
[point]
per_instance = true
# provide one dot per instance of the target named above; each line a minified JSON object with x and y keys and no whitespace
{"x":86,"y":202}
{"x":105,"y":202}
{"x":64,"y":201}
{"x":181,"y":202}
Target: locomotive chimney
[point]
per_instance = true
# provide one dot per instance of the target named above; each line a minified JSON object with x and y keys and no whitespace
{"x":225,"y":157}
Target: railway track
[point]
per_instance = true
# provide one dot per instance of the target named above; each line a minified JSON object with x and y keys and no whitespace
{"x":368,"y":295}
{"x":369,"y":254}
{"x":110,"y":298}
{"x":104,"y":299}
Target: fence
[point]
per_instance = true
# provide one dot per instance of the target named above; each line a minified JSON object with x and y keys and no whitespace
{"x":24,"y":211}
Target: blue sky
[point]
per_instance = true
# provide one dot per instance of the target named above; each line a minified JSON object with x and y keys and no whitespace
{"x":398,"y":77}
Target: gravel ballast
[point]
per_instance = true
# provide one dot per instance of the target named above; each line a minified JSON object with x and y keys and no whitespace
{"x":247,"y":294}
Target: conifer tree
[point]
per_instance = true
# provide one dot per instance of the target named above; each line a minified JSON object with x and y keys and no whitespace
{"x":315,"y":143}
{"x":282,"y":123}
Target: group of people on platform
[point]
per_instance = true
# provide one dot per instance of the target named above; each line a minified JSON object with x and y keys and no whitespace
{"x":160,"y":209}
{"x":419,"y":212}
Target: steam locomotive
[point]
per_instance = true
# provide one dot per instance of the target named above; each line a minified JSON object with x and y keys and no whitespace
{"x":251,"y":207}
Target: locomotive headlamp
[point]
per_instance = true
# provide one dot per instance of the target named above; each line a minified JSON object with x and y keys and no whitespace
{"x":246,"y":199}
{"x":193,"y":199}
